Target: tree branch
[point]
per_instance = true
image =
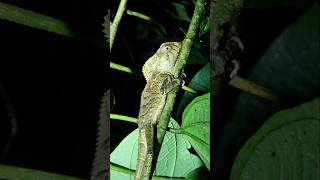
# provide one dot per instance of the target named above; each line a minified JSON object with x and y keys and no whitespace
{"x":116,"y":21}
{"x":181,"y":62}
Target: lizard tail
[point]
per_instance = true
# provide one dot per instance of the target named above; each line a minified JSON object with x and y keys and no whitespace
{"x":145,"y":155}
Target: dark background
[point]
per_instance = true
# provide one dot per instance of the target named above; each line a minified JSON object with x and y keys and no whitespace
{"x":259,"y":25}
{"x":54,"y":84}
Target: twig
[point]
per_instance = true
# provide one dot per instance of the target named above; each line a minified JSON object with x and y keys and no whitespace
{"x":120,"y":67}
{"x":116,"y":21}
{"x":123,"y":118}
{"x":139,"y":15}
{"x":189,"y":89}
{"x":252,"y":88}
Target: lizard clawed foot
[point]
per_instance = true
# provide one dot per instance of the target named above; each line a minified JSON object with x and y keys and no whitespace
{"x":169,"y":83}
{"x":182,"y":78}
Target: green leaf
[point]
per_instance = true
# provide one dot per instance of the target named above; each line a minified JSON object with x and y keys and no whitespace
{"x":43,"y":22}
{"x":196,"y":125}
{"x":18,"y":173}
{"x":34,"y":20}
{"x":291,"y":64}
{"x":182,"y":12}
{"x":198,"y":174}
{"x":285,"y":147}
{"x":174,"y":159}
{"x":290,"y":67}
{"x":201,"y":83}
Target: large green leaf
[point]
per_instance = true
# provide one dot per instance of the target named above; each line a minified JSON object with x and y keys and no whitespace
{"x":290,"y":67}
{"x":285,"y":147}
{"x":196,"y":125}
{"x":201,"y":83}
{"x":174,"y":159}
{"x":291,"y":64}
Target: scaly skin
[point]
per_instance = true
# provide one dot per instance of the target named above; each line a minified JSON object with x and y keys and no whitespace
{"x":158,"y":72}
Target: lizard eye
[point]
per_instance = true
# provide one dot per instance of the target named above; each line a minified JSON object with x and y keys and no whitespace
{"x":166,"y":49}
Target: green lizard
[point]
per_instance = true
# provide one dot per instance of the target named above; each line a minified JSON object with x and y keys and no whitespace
{"x":158,"y":73}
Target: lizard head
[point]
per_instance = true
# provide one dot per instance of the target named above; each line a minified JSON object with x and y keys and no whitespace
{"x":163,"y":61}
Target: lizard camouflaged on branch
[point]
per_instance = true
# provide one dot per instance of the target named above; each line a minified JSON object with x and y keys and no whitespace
{"x":158,"y":72}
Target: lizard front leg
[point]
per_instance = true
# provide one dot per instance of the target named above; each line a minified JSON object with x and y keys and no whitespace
{"x":170,"y":82}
